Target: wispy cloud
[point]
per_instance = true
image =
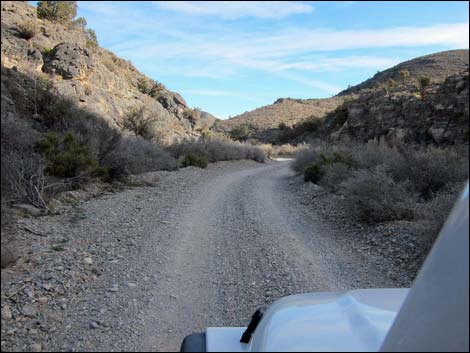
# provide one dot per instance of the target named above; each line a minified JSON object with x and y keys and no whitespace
{"x":238,"y":9}
{"x":293,"y":42}
{"x":223,"y":54}
{"x":256,"y":41}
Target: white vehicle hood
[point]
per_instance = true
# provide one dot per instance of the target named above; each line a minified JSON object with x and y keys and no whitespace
{"x":332,"y":321}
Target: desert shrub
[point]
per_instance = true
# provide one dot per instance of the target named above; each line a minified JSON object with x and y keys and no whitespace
{"x":371,"y":155}
{"x":136,"y":122}
{"x":24,"y":180}
{"x":57,"y":113}
{"x":143,"y":86}
{"x":341,"y":115}
{"x":430,"y":169}
{"x":18,"y":135}
{"x":27,"y":30}
{"x":423,"y":83}
{"x":268,"y":150}
{"x":57,"y":11}
{"x":22,"y":170}
{"x":218,"y":149}
{"x":282,"y":126}
{"x":427,"y":169}
{"x":314,"y":161}
{"x":195,"y":160}
{"x":404,"y":74}
{"x":431,"y":215}
{"x":9,"y":248}
{"x":313,"y":173}
{"x":303,"y":159}
{"x":285,"y":150}
{"x":156,"y":90}
{"x":47,"y":51}
{"x":241,"y":132}
{"x":192,"y":115}
{"x":310,"y":125}
{"x":134,"y":155}
{"x":67,"y":157}
{"x":80,"y":22}
{"x":91,"y":38}
{"x":334,"y":174}
{"x":373,"y":197}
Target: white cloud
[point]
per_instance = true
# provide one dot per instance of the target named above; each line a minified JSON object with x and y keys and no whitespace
{"x":241,"y":47}
{"x":190,"y":46}
{"x":339,"y":64}
{"x":238,"y":9}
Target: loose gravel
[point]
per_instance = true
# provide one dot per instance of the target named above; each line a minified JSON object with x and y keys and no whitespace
{"x":139,"y":269}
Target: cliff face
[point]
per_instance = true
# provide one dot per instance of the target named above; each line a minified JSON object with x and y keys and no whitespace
{"x":91,"y":76}
{"x":437,"y":114}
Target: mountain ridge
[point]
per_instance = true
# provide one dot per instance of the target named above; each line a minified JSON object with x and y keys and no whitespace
{"x":405,"y":78}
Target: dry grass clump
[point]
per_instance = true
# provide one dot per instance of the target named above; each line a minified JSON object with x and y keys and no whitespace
{"x":218,"y":149}
{"x":285,"y":150}
{"x":374,"y":197}
{"x":27,"y":30}
{"x":379,"y":183}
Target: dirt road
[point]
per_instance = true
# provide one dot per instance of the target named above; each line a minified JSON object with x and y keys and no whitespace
{"x":205,"y":248}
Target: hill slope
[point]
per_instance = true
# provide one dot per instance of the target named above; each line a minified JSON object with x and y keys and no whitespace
{"x":391,"y":100}
{"x":284,"y":110}
{"x":437,"y":67}
{"x":94,"y":78}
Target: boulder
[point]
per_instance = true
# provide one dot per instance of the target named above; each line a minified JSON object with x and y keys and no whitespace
{"x":70,"y":61}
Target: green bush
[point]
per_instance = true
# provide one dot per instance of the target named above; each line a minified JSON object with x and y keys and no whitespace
{"x":27,"y":30}
{"x":91,"y":38}
{"x":310,"y":125}
{"x":313,"y":173}
{"x":341,"y":116}
{"x":57,"y":11}
{"x":195,"y":160}
{"x":66,"y":157}
{"x":47,"y":51}
{"x":316,"y":170}
{"x":240,"y":132}
{"x":80,"y":22}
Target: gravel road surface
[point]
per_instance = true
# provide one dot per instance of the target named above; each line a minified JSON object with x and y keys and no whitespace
{"x":203,"y":248}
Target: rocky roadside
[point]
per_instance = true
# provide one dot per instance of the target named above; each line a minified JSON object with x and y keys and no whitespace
{"x":62,"y":264}
{"x":391,"y":247}
{"x":83,"y":285}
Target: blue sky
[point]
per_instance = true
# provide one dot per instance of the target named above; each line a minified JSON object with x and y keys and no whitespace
{"x":230,"y":57}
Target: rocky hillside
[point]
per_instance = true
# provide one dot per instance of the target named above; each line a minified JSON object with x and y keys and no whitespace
{"x":284,"y":110}
{"x":94,"y":78}
{"x":432,"y":114}
{"x":437,"y":67}
{"x":424,"y":100}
